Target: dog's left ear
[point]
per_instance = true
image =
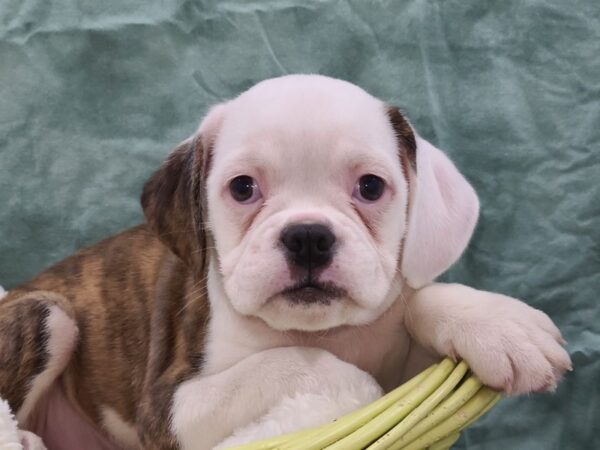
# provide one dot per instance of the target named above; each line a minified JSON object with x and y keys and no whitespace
{"x":174,"y":198}
{"x":443,"y":208}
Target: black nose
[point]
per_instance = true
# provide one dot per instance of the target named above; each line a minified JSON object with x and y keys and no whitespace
{"x":308,"y":245}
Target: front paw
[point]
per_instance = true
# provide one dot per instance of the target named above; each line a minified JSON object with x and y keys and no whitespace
{"x":302,"y":411}
{"x":509,"y":345}
{"x":348,"y":390}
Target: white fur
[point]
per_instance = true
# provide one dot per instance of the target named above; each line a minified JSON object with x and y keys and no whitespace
{"x":9,"y":433}
{"x":30,"y":441}
{"x":3,"y":293}
{"x":123,"y":432}
{"x":62,"y":333}
{"x":274,"y":367}
{"x":269,"y":133}
{"x":11,"y":438}
{"x":302,"y":411}
{"x":377,"y":348}
{"x":442,"y":217}
{"x":262,"y":381}
{"x":508,"y":344}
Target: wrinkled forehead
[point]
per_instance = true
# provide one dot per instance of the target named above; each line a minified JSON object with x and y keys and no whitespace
{"x":306,"y":122}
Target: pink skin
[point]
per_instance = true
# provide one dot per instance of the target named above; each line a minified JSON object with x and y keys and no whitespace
{"x":60,"y":426}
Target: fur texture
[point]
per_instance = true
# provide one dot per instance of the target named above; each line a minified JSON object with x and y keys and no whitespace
{"x":9,"y":434}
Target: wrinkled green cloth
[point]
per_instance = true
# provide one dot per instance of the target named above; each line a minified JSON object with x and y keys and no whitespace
{"x":93,"y":94}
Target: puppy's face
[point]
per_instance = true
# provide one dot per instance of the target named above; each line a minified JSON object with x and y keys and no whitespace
{"x":307,"y":204}
{"x":320,"y":201}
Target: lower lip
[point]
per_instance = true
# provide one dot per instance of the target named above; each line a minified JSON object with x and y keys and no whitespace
{"x":310,"y":295}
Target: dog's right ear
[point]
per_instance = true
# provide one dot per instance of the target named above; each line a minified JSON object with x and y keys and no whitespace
{"x":174,"y":198}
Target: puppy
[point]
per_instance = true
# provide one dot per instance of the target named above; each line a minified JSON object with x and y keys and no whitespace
{"x":291,"y":245}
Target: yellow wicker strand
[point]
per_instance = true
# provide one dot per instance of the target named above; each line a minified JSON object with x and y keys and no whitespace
{"x":449,"y":406}
{"x":446,"y":443}
{"x":423,"y":409}
{"x":489,"y":406}
{"x":473,"y":408}
{"x":397,"y":411}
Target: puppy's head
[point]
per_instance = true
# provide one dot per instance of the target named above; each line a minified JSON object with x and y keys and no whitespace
{"x":320,"y":201}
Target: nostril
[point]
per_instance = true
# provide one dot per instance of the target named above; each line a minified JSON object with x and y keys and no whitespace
{"x":324,"y":242}
{"x":294,"y":243}
{"x":294,"y":239}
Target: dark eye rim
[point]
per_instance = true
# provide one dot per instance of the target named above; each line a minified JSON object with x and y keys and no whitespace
{"x":252,"y":193}
{"x":381,"y":184}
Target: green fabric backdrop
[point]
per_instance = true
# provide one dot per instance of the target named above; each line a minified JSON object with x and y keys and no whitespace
{"x":93,"y":94}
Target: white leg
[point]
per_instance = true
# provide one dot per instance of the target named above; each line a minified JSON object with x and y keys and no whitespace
{"x":508,"y":344}
{"x":310,"y":410}
{"x":208,"y":409}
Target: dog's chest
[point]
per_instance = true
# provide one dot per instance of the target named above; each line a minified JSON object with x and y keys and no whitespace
{"x":378,"y":351}
{"x":379,"y":348}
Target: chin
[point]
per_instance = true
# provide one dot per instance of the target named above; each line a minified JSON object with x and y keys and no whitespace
{"x":312,"y":311}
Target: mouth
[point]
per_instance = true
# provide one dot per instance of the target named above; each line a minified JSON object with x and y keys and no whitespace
{"x":310,"y":291}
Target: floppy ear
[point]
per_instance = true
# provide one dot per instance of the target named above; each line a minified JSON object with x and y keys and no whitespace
{"x":174,"y":198}
{"x":442,"y":214}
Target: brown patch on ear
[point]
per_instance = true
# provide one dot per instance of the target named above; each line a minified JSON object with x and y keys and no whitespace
{"x":174,"y":200}
{"x":404,"y":134}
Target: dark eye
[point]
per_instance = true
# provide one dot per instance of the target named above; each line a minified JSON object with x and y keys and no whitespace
{"x":244,"y":189}
{"x":369,"y":188}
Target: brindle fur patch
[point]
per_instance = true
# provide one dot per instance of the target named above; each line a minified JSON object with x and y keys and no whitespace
{"x":23,"y":338}
{"x":141,"y":319}
{"x":139,"y":301}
